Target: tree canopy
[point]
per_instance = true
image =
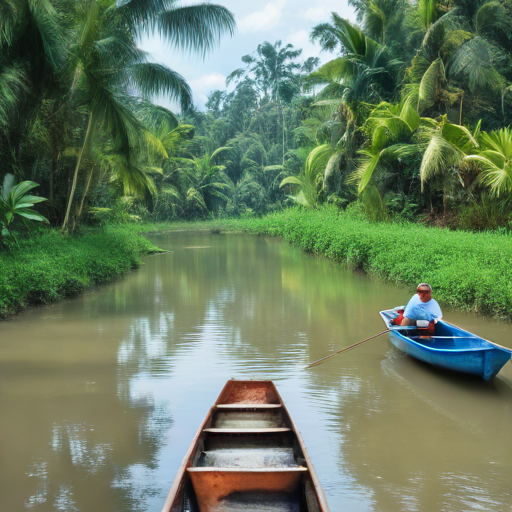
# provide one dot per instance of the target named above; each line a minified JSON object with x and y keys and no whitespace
{"x":408,"y":119}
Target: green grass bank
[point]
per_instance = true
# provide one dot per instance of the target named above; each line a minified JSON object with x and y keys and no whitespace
{"x":468,"y":271}
{"x":48,"y":267}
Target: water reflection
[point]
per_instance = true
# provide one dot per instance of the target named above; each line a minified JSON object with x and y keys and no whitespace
{"x":100,"y":396}
{"x":69,"y":423}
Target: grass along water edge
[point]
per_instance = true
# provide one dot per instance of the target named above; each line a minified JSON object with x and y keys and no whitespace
{"x":48,"y":267}
{"x":469,"y":271}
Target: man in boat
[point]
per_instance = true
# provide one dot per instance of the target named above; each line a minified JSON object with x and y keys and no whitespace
{"x":421,"y":307}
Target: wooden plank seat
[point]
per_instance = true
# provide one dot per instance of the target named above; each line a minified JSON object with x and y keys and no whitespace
{"x":248,"y":419}
{"x":214,"y":430}
{"x":261,"y":502}
{"x":248,"y":406}
{"x":249,"y":451}
{"x":215,"y":486}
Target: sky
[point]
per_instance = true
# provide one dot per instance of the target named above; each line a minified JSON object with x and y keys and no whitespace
{"x":257,"y":21}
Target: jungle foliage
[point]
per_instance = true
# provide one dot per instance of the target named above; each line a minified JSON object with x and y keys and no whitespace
{"x":76,"y":114}
{"x":409,"y":119}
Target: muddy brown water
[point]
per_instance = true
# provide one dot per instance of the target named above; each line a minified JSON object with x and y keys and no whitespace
{"x":101,"y":395}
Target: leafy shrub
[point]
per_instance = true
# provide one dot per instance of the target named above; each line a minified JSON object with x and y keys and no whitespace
{"x":400,"y":207}
{"x":16,"y":208}
{"x":489,"y":214}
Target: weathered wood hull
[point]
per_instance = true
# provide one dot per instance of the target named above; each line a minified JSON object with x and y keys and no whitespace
{"x":451,"y":348}
{"x":247,"y":455}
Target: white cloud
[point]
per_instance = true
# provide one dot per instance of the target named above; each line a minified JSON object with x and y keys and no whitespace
{"x":299,"y":39}
{"x":316,"y":14}
{"x":264,"y":20}
{"x":204,"y":85}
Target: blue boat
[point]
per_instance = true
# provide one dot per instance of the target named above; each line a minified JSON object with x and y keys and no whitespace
{"x":450,"y":347}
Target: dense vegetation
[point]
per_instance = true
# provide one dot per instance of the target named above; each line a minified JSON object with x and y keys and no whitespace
{"x":49,"y":267}
{"x":406,"y":254}
{"x":75,"y":98}
{"x":409,"y":117}
{"x":409,"y":121}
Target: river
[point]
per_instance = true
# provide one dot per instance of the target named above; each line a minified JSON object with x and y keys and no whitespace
{"x":101,"y":395}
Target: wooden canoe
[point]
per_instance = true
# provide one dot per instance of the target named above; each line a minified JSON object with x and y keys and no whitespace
{"x":451,"y":348}
{"x":247,"y":455}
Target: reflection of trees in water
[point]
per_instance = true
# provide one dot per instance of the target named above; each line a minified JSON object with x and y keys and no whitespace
{"x":263,"y":297}
{"x":79,"y":444}
{"x":275,"y":303}
{"x":417,"y":438}
{"x":69,"y":425}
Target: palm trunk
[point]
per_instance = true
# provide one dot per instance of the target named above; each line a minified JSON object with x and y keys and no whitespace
{"x":444,"y":203}
{"x":75,"y":177}
{"x":282,"y":121}
{"x":80,"y":208}
{"x":284,"y":132}
{"x":460,"y":110}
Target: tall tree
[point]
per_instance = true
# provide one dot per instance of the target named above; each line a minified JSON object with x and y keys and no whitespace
{"x":107,"y":67}
{"x":274,"y":70}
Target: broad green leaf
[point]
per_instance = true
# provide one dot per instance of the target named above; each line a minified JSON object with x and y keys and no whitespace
{"x":33,"y":216}
{"x":430,"y":85}
{"x":291,"y":180}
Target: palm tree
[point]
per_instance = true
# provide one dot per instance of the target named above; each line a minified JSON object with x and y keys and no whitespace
{"x":366,"y":71}
{"x":466,"y":40}
{"x":107,"y":67}
{"x":32,"y":51}
{"x":454,"y":148}
{"x":447,"y":148}
{"x":380,"y":17}
{"x":275,"y":75}
{"x":393,"y":137}
{"x":206,"y":180}
{"x":444,"y":157}
{"x":310,"y":181}
{"x":494,"y":159}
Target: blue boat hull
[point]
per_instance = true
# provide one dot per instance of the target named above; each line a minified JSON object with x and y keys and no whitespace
{"x":450,"y":348}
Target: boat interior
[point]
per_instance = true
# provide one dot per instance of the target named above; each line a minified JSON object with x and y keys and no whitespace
{"x":446,"y":336}
{"x":247,"y":457}
{"x":451,"y":342}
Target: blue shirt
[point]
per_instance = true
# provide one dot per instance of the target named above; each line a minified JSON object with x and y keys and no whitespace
{"x":417,"y":310}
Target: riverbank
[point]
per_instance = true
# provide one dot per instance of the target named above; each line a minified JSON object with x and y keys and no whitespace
{"x":468,"y":271}
{"x":48,"y":267}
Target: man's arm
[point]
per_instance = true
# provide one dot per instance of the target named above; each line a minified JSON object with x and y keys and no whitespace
{"x":409,"y":311}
